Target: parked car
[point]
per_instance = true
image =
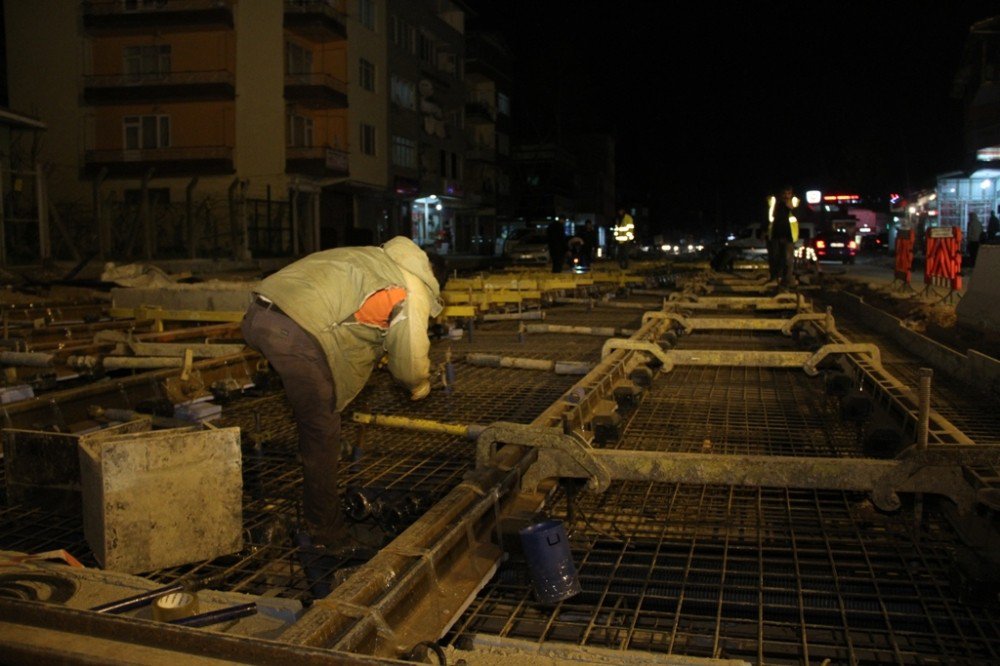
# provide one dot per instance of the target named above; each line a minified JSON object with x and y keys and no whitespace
{"x":527,"y":246}
{"x":829,"y":246}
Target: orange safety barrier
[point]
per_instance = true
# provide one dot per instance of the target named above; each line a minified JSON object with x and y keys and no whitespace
{"x":944,"y":257}
{"x":904,"y":255}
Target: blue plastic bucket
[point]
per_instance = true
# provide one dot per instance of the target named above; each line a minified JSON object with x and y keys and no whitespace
{"x":553,"y":573}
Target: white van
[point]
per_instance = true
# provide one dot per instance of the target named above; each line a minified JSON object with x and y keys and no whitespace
{"x":752,"y":241}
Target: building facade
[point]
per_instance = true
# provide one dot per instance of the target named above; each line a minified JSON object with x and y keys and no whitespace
{"x":488,"y":131}
{"x":185,"y":128}
{"x":426,"y":47}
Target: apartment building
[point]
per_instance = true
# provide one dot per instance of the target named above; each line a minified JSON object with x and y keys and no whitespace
{"x":426,"y":55}
{"x":488,"y":131}
{"x":207,"y":127}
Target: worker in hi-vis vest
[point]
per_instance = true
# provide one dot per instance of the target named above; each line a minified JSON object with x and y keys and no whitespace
{"x":624,"y":234}
{"x":782,"y":233}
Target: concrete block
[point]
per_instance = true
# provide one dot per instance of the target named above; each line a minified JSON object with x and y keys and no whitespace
{"x":163,"y":498}
{"x":43,"y":468}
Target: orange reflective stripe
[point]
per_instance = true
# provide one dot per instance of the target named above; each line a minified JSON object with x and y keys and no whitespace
{"x":377,"y":308}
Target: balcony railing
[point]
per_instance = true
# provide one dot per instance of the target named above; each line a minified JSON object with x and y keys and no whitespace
{"x":318,"y":20}
{"x":317,"y":90}
{"x":152,"y":86}
{"x":316,"y":160}
{"x":166,"y":161}
{"x":115,"y":14}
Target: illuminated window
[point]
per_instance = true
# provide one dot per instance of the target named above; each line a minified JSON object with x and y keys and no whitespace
{"x":404,"y":93}
{"x":146,"y":132}
{"x":149,"y":59}
{"x":367,"y":139}
{"x":366,"y":74}
{"x":366,"y":13}
{"x":300,"y":131}
{"x":404,"y":152}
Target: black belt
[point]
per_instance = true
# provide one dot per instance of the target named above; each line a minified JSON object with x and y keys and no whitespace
{"x":267,"y":305}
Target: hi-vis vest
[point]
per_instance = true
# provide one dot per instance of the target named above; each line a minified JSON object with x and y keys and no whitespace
{"x":624,"y":231}
{"x":793,"y":222}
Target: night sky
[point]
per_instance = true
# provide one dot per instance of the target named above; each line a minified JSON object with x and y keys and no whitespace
{"x":715,"y":105}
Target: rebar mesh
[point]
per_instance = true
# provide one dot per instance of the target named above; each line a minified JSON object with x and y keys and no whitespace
{"x":768,"y":575}
{"x":740,"y":410}
{"x":771,"y":576}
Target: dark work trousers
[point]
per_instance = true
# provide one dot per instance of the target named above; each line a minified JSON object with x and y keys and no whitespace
{"x":772,"y":258}
{"x":300,"y":362}
{"x":621,"y":250}
{"x":784,"y":261}
{"x":558,"y":256}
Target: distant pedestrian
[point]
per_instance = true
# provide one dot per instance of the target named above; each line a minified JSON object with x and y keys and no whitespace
{"x":589,"y":236}
{"x":974,"y":237}
{"x":555,"y":236}
{"x":993,"y":228}
{"x":782,"y":233}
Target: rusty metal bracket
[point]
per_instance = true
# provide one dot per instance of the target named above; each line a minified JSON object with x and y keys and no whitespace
{"x":556,"y":450}
{"x":638,"y":345}
{"x":798,"y":320}
{"x":690,"y":324}
{"x":874,"y":355}
{"x":936,"y":469}
{"x":668,"y":316}
{"x":776,"y":302}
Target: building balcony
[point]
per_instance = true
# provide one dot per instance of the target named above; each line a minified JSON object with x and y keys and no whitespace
{"x":113,"y":16}
{"x":478,"y":113}
{"x":156,"y":87}
{"x":316,"y":20}
{"x":181,"y":161}
{"x":318,"y":91}
{"x":318,"y":161}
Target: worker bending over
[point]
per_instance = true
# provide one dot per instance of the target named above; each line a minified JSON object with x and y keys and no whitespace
{"x":323,"y":323}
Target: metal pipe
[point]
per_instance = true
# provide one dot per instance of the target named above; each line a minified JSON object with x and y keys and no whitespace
{"x":138,"y":600}
{"x":497,"y":361}
{"x":504,"y":316}
{"x":924,"y":415}
{"x":217,"y":616}
{"x":141,"y":362}
{"x":29,"y":359}
{"x":559,"y":367}
{"x":471,"y":431}
{"x":605,"y":331}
